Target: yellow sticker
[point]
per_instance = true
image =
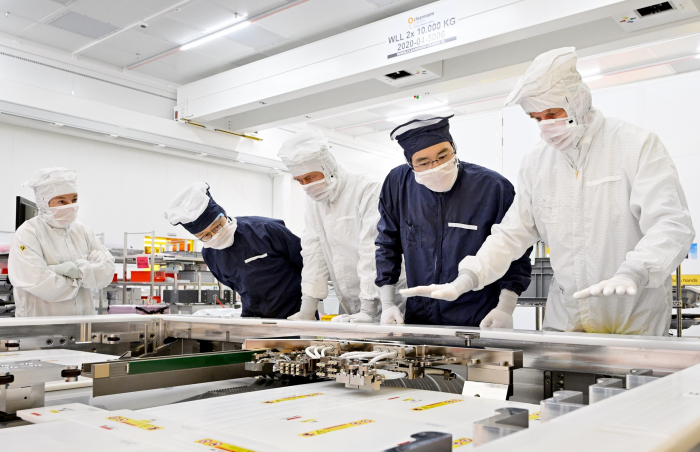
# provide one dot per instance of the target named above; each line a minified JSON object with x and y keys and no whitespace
{"x":335,"y":428}
{"x":461,"y":442}
{"x":54,"y":411}
{"x":22,"y":247}
{"x":534,"y":416}
{"x":294,"y":398}
{"x":407,"y":400}
{"x":435,"y":405}
{"x":145,"y":425}
{"x":309,"y":420}
{"x":222,"y":446}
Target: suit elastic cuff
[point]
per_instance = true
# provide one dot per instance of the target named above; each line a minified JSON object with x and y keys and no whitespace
{"x":634,"y":271}
{"x":507,"y":301}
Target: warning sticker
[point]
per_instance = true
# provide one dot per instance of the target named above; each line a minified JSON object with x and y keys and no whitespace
{"x":145,"y":425}
{"x":461,"y":442}
{"x":435,"y":405}
{"x":294,"y":398}
{"x":336,"y":428}
{"x":222,"y":446}
{"x":534,"y":416}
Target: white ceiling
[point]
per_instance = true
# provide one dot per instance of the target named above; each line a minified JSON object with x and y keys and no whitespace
{"x":625,"y":66}
{"x":80,"y":23}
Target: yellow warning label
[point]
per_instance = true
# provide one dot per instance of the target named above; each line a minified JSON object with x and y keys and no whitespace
{"x":222,"y":446}
{"x":145,"y":425}
{"x":336,"y":428}
{"x":461,"y":442}
{"x":309,"y":420}
{"x":54,"y":411}
{"x":690,"y":280}
{"x":22,"y":247}
{"x":407,"y":400}
{"x":534,"y":416}
{"x":435,"y":405}
{"x":294,"y":398}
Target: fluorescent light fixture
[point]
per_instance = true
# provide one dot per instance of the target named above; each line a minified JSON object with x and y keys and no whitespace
{"x":215,"y":35}
{"x":112,"y":135}
{"x":160,"y":145}
{"x":202,"y":154}
{"x":592,"y":78}
{"x":57,"y":124}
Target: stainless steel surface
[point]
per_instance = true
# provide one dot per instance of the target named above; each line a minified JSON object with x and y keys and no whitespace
{"x":561,"y":403}
{"x":506,"y":422}
{"x":605,"y":388}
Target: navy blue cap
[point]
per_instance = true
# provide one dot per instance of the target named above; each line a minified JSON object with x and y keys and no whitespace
{"x":211,"y":213}
{"x":419,"y":134}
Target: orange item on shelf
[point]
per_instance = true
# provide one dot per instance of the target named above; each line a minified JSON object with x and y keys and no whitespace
{"x":145,"y":276}
{"x":116,"y":277}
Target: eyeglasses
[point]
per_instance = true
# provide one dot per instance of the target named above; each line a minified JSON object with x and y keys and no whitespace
{"x":210,"y":235}
{"x":426,"y":165}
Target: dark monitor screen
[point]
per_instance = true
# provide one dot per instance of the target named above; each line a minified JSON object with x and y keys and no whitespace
{"x":24,"y":211}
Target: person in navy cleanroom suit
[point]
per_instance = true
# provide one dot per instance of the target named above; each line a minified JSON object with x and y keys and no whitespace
{"x":435,"y":215}
{"x":257,"y":257}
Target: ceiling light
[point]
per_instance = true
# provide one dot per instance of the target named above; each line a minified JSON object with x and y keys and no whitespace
{"x":57,"y":124}
{"x":202,"y":154}
{"x":215,"y":35}
{"x":112,"y":135}
{"x":160,"y":145}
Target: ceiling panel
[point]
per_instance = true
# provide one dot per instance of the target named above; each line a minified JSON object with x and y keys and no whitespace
{"x":54,"y":37}
{"x":110,"y":55}
{"x":686,"y":65}
{"x":633,"y":57}
{"x":223,"y":50}
{"x":152,"y":6}
{"x":205,"y":15}
{"x":676,"y":47}
{"x":255,"y":36}
{"x":359,"y":117}
{"x":35,"y":10}
{"x":300,"y":20}
{"x":387,"y":111}
{"x":116,"y":13}
{"x":83,"y":25}
{"x":250,"y":8}
{"x":135,"y":42}
{"x":170,"y":30}
{"x":164,"y":71}
{"x":13,"y":24}
{"x":362,"y":130}
{"x":332,"y":123}
{"x":191,"y":61}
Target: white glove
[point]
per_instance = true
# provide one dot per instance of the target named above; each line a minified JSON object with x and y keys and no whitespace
{"x":67,"y":269}
{"x":617,"y":285}
{"x":96,"y":257}
{"x":502,"y":315}
{"x":390,"y":312}
{"x":368,"y":310}
{"x":450,"y":292}
{"x":308,"y":309}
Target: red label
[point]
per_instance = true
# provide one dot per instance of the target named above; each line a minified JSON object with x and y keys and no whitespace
{"x":142,"y":262}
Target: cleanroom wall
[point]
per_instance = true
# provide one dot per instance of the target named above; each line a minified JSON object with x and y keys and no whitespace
{"x":121,"y":188}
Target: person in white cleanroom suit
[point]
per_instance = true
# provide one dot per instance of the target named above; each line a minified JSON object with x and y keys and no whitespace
{"x":605,"y":197}
{"x":341,"y":226}
{"x":54,"y":260}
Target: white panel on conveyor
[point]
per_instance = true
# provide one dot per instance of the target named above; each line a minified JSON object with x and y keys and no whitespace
{"x":66,"y":436}
{"x":56,"y":412}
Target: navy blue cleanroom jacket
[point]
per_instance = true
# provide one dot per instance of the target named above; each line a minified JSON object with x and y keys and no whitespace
{"x":263,"y":265}
{"x":435,"y":231}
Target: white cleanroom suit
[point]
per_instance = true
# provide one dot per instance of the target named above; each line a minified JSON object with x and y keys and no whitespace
{"x":53,"y":265}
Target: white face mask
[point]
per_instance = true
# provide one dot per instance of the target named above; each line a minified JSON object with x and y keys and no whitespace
{"x":320,"y":190}
{"x":562,"y":133}
{"x":223,"y":238}
{"x":62,"y":216}
{"x":441,"y":178}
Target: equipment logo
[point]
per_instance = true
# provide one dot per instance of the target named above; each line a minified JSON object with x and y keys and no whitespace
{"x":22,"y":247}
